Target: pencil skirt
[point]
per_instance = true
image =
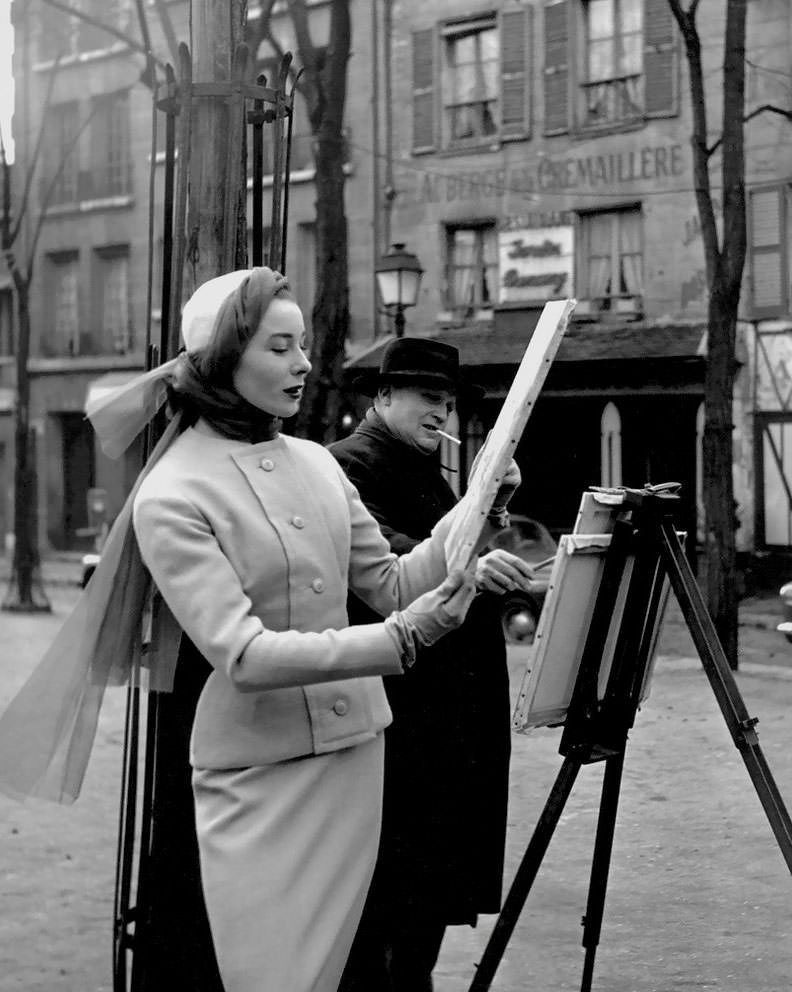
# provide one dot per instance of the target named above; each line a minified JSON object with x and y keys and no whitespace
{"x":287,"y":854}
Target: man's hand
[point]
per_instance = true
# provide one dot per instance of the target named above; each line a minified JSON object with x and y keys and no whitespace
{"x":500,"y":571}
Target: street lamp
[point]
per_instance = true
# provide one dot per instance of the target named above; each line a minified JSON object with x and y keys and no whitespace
{"x":398,"y":278}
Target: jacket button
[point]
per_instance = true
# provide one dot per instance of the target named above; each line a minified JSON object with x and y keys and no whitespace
{"x":340,"y":707}
{"x":318,"y":585}
{"x":298,"y":522}
{"x":267,"y":464}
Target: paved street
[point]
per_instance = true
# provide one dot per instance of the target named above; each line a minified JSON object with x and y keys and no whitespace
{"x":699,"y":895}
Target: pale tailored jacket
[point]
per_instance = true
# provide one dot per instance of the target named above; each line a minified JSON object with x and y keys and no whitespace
{"x":253,"y":548}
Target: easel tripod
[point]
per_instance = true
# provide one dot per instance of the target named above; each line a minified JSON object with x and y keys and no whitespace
{"x":596,"y":729}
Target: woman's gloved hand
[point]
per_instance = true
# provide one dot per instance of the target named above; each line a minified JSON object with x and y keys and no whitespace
{"x":432,"y":615}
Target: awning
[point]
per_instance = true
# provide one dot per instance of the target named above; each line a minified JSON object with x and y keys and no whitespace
{"x":106,"y":384}
{"x":504,"y":341}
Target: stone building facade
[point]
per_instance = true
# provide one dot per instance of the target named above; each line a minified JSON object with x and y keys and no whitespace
{"x":92,"y":298}
{"x":541,"y":150}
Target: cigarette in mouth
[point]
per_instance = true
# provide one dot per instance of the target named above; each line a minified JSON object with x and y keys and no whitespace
{"x":448,"y":437}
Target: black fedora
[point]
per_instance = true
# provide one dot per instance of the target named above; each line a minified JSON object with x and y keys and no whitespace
{"x":407,"y":361}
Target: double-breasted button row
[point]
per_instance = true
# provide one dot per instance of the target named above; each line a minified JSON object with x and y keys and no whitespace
{"x":267,"y":464}
{"x":298,"y":522}
{"x":318,"y":585}
{"x":340,"y":707}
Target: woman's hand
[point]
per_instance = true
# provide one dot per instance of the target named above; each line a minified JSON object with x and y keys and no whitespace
{"x":441,"y":609}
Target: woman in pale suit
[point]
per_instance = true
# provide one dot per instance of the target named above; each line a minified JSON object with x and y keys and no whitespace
{"x":253,"y":539}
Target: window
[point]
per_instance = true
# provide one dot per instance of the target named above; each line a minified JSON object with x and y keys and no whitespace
{"x":610,"y":447}
{"x":110,"y":172}
{"x":481,"y":68}
{"x":472,"y":274}
{"x":6,"y":322}
{"x":62,"y":35}
{"x":112,"y":292}
{"x":623,"y":63}
{"x":60,"y":155}
{"x":470,"y":84}
{"x":770,"y":255}
{"x":63,"y":336}
{"x":614,"y":63}
{"x":610,"y":259}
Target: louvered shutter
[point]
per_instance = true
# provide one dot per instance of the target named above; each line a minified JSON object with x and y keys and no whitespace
{"x":423,"y":51}
{"x":515,"y":43}
{"x":556,"y":67}
{"x":661,"y":60}
{"x":767,"y":225}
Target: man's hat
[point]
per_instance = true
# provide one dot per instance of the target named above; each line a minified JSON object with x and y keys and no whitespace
{"x":408,"y":361}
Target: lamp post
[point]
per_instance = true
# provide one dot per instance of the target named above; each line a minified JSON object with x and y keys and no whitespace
{"x":399,"y":279}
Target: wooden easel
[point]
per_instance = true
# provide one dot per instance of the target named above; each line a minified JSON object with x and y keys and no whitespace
{"x":597,"y":725}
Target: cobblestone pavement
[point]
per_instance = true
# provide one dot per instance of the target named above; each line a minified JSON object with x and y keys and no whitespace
{"x":699,"y":895}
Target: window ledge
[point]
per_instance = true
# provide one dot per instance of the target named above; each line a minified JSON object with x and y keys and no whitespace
{"x":584,"y":132}
{"x":81,"y":58}
{"x":86,"y":363}
{"x":300,"y":176}
{"x":478,"y":148}
{"x":91,"y":206}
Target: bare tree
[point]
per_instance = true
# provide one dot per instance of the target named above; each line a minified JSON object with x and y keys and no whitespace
{"x":24,"y":593}
{"x":323,"y":84}
{"x":724,"y":259}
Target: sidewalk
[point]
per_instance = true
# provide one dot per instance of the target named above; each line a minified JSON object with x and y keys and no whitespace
{"x":699,"y":896}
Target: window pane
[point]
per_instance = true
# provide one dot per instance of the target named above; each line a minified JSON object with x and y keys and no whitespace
{"x":66,"y":306}
{"x":632,"y":54}
{"x":471,"y":84}
{"x":115,"y":302}
{"x":601,"y":19}
{"x":601,"y":60}
{"x":631,"y":15}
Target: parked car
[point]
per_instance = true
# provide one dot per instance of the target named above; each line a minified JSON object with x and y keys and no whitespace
{"x":785,"y":628}
{"x":531,"y":541}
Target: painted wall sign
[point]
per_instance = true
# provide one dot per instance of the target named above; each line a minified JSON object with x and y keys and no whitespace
{"x":536,"y":264}
{"x":579,"y":173}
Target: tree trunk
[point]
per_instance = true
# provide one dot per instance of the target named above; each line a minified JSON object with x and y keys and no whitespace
{"x":720,"y":555}
{"x":318,"y":417}
{"x":24,"y":594}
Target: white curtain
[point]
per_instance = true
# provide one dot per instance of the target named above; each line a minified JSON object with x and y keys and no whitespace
{"x":631,"y":253}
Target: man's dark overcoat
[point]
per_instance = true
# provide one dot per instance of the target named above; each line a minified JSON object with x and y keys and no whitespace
{"x":447,"y":751}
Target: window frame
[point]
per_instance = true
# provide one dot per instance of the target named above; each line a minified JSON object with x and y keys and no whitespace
{"x":480,"y":266}
{"x":783,"y":191}
{"x":456,"y":30}
{"x":583,"y":258}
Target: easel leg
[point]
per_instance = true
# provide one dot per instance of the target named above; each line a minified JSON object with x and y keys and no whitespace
{"x":526,"y":873}
{"x":603,"y":845}
{"x":741,"y":725}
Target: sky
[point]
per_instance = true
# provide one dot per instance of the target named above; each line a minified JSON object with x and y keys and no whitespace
{"x":6,"y":83}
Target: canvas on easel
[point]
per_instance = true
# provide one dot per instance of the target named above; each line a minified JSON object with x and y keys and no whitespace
{"x":498,"y":450}
{"x":553,"y":665}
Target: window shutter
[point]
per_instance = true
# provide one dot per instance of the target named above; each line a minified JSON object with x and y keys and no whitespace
{"x":556,"y":67}
{"x":661,"y":60}
{"x":423,"y":50}
{"x":766,"y":233}
{"x":516,"y":40}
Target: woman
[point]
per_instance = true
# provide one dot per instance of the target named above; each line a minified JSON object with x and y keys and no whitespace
{"x":253,"y":539}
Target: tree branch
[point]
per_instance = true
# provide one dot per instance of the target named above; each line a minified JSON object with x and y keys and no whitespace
{"x":769,"y":108}
{"x":34,"y":158}
{"x":45,"y":200}
{"x":133,"y":43}
{"x":168,"y":30}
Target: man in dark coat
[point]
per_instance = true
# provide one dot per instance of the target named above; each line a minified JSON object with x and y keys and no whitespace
{"x":447,"y":751}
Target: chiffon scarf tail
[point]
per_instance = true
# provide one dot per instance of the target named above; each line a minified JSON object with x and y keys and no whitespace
{"x":47,"y":731}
